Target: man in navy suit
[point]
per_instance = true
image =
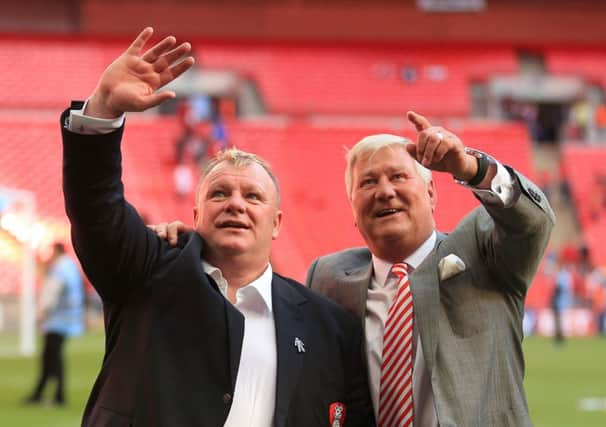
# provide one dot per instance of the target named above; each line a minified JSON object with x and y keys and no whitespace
{"x":203,"y":333}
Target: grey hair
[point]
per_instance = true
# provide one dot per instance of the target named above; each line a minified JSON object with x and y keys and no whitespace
{"x":372,"y":144}
{"x":239,"y":159}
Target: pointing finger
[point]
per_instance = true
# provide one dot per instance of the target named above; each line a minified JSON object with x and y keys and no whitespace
{"x":419,"y":121}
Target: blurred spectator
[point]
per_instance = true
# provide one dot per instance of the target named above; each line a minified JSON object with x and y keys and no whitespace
{"x":599,"y":307}
{"x":192,"y":146}
{"x":408,"y":74}
{"x":580,"y":116}
{"x":561,"y":298}
{"x":190,"y":143}
{"x":600,"y":121}
{"x":595,"y":283}
{"x":61,"y":315}
{"x":564,"y":183}
{"x":184,"y":181}
{"x":529,"y":113}
{"x":219,"y":130}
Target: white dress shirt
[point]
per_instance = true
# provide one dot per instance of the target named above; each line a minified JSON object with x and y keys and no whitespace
{"x":255,"y":394}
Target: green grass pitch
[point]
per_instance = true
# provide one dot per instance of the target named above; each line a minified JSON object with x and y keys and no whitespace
{"x":566,"y":385}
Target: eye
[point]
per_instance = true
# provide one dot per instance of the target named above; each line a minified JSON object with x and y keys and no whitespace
{"x":366,"y":182}
{"x":218,"y":194}
{"x":253,"y":196}
{"x":398,"y":176}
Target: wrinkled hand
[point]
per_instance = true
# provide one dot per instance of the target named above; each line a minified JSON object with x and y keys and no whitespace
{"x":440,"y":150}
{"x":170,"y":232}
{"x":131,"y":81}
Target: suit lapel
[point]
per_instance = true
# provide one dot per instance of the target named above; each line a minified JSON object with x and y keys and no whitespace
{"x":235,"y":327}
{"x":235,"y":319}
{"x":424,"y":285}
{"x":289,"y":322}
{"x":353,"y":296}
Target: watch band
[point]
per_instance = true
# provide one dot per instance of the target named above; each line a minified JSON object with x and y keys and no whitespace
{"x":483,"y":164}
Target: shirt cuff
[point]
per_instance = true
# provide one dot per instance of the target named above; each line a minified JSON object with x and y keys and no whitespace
{"x":502,"y":186}
{"x":80,"y":123}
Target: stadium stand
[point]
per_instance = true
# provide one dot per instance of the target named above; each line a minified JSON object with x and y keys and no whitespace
{"x":586,"y":172}
{"x":362,"y":80}
{"x":339,"y":79}
{"x":589,"y":63}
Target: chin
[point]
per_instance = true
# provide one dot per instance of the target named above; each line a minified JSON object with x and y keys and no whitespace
{"x":233,"y":247}
{"x":393,"y":234}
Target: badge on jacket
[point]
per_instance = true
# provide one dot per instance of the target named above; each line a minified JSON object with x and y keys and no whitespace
{"x":337,"y":414}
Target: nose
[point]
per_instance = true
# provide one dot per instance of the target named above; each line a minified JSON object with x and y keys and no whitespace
{"x":235,"y":203}
{"x":385,"y":189}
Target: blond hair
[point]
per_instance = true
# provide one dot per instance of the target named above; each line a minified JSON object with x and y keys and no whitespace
{"x":372,"y":144}
{"x":239,"y":159}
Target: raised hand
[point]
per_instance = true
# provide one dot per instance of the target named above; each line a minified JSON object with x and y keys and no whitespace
{"x":440,"y":150}
{"x":130,"y":83}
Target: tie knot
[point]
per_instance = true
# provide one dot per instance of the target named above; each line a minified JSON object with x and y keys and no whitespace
{"x":400,"y":269}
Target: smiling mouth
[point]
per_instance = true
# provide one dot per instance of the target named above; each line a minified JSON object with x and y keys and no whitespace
{"x":386,"y":212}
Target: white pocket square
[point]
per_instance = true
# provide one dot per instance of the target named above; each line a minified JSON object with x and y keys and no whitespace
{"x":450,"y":265}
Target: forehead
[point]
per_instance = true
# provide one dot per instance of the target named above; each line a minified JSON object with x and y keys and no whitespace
{"x":386,"y":158}
{"x":252,"y":174}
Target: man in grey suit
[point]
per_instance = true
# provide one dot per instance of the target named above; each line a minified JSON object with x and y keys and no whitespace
{"x":468,"y":287}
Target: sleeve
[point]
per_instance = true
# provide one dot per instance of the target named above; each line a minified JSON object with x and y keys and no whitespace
{"x":310,"y":274}
{"x":116,"y":249}
{"x":512,"y":240}
{"x":82,"y":124}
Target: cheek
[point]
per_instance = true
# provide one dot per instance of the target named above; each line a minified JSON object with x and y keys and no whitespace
{"x":206,"y":217}
{"x":359,"y":206}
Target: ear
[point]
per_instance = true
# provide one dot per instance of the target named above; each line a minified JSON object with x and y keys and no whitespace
{"x":433,"y":195}
{"x":195,"y":217}
{"x":277,"y":224}
{"x":353,"y":213}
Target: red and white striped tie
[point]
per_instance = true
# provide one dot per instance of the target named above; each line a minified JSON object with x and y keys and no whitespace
{"x":395,"y":398}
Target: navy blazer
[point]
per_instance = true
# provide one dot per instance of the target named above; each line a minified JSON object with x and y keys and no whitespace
{"x":173,"y":341}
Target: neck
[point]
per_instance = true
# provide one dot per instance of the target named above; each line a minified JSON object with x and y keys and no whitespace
{"x":396,"y":250}
{"x":238,"y":271}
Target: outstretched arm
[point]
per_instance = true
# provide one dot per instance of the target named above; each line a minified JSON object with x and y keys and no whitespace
{"x":513,"y":229}
{"x":116,"y":250}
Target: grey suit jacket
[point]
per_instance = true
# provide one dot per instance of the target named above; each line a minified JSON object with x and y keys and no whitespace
{"x":470,"y":324}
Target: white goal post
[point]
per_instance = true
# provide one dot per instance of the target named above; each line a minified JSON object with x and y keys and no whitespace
{"x":17,"y":301}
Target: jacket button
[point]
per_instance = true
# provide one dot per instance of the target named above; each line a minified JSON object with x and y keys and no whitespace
{"x":536,"y":196}
{"x":226,"y":398}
